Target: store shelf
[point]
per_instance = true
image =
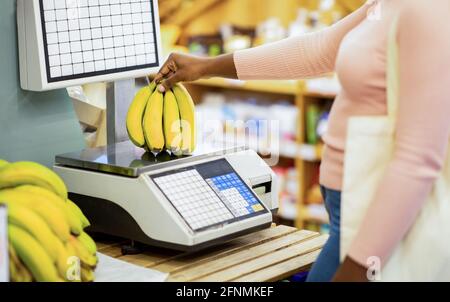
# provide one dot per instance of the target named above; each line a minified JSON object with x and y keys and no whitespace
{"x":293,"y":87}
{"x":278,"y":87}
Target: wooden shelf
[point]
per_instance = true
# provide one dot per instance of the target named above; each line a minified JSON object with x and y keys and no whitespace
{"x":276,"y":87}
{"x":292,"y":88}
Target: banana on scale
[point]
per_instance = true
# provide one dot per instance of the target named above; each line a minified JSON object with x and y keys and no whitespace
{"x":153,"y":123}
{"x":30,"y":173}
{"x":136,"y":113}
{"x":188,"y":122}
{"x":172,"y":124}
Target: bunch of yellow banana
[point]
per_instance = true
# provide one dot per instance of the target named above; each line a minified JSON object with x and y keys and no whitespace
{"x":159,"y":122}
{"x":46,"y":229}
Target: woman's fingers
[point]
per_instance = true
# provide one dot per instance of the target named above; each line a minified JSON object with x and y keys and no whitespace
{"x":170,"y":66}
{"x":162,"y":73}
{"x":170,"y":81}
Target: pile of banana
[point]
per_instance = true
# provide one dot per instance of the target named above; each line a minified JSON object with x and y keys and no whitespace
{"x":163,"y":121}
{"x":45,"y":229}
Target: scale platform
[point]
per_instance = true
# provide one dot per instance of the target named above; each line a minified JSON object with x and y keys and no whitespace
{"x":127,"y":160}
{"x":185,"y":203}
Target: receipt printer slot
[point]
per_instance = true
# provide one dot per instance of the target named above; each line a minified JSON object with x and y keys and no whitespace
{"x":262,"y":188}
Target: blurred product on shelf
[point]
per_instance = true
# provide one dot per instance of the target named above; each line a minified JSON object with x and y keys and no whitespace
{"x":206,"y":45}
{"x":255,"y":123}
{"x":300,"y":26}
{"x":316,"y":122}
{"x":236,"y":38}
{"x":312,"y":120}
{"x":325,"y":85}
{"x":288,"y":192}
{"x":269,"y":31}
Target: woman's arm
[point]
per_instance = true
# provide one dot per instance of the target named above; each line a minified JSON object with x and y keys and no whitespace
{"x":423,"y":130}
{"x":292,"y":58}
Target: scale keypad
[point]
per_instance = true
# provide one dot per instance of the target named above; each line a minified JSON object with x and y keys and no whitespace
{"x":232,"y":190}
{"x":194,"y":199}
{"x":207,"y":201}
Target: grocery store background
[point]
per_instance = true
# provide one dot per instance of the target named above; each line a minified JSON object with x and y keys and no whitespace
{"x":38,"y":126}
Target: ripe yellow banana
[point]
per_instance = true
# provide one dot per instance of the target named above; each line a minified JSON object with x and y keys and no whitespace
{"x":72,"y":271}
{"x":33,"y":255}
{"x":17,"y":270}
{"x":87,"y":275}
{"x":88,"y":243}
{"x":153,"y":123}
{"x":40,"y":193}
{"x":74,"y":208}
{"x":34,"y":225}
{"x":68,"y":263}
{"x":31,"y":222}
{"x":51,"y":214}
{"x":87,"y":259}
{"x":3,"y":163}
{"x":29,"y":173}
{"x":136,"y":114}
{"x":172,"y":124}
{"x":188,"y":122}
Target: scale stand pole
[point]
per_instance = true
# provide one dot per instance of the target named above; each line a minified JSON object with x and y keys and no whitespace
{"x":119,"y":95}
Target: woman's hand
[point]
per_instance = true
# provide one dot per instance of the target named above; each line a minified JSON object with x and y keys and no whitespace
{"x":351,"y":271}
{"x":188,"y":68}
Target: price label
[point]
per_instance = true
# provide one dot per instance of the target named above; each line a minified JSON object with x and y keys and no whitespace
{"x":4,"y":261}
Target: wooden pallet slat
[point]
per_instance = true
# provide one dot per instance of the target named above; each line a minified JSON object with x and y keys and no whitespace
{"x":263,"y":262}
{"x":148,"y":259}
{"x":222,"y":263}
{"x":281,"y":270}
{"x":185,"y":261}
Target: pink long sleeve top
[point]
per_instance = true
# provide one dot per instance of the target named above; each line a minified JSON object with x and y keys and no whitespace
{"x":356,"y":49}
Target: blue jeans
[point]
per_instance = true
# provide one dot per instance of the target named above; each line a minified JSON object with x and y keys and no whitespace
{"x":328,"y":262}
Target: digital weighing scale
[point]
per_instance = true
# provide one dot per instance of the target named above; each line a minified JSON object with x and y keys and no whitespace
{"x":184,"y":203}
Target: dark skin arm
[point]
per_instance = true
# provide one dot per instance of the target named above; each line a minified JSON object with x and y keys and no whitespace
{"x":350,"y":271}
{"x":188,"y":68}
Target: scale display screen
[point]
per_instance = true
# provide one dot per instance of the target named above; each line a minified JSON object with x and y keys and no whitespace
{"x":66,"y":43}
{"x":209,"y":194}
{"x":85,"y":38}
